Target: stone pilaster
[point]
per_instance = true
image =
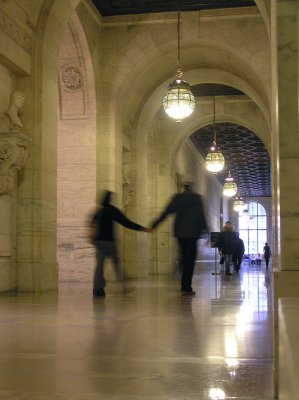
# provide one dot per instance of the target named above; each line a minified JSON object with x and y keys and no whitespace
{"x":286,"y":276}
{"x":13,"y":155}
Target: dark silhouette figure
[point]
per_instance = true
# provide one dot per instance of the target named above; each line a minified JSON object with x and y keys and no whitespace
{"x":267,"y":254}
{"x":227,"y":245}
{"x":239,"y":251}
{"x":103,"y":238}
{"x":189,"y":224}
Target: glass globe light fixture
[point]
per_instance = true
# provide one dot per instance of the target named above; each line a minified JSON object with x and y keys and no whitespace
{"x":179,"y":101}
{"x":215,"y":159}
{"x":238,"y":204}
{"x":229,"y":188}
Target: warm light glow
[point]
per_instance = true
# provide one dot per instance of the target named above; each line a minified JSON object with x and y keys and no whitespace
{"x":216,"y":394}
{"x":215,"y":160}
{"x":239,"y":204}
{"x":179,"y":101}
{"x":229,"y":188}
{"x":232,"y":366}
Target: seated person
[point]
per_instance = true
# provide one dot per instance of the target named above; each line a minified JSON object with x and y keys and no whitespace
{"x":258,"y":259}
{"x":252,"y":259}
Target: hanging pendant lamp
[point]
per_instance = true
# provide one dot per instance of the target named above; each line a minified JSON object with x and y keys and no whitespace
{"x":229,"y":188}
{"x":239,"y":203}
{"x":179,"y":101}
{"x":214,"y":159}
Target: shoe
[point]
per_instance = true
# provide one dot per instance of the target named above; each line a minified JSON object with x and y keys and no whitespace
{"x":99,"y":292}
{"x":228,"y":273}
{"x":188,"y":293}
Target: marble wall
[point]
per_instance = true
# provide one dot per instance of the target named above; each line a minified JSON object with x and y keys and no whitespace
{"x":134,"y":59}
{"x":76,"y":157}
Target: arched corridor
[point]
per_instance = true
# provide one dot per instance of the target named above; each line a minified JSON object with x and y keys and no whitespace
{"x":147,"y":343}
{"x":92,"y":76}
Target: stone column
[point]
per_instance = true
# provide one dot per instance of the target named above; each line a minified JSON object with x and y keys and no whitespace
{"x":286,"y":276}
{"x":13,"y":155}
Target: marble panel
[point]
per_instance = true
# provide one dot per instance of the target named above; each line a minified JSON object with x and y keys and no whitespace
{"x":45,"y":247}
{"x":25,"y":277}
{"x":8,"y":274}
{"x":288,"y":349}
{"x":286,"y":284}
{"x":45,"y":276}
{"x":5,"y":246}
{"x":24,"y":247}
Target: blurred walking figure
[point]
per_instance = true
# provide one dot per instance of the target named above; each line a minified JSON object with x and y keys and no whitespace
{"x":227,"y":245}
{"x":103,"y":237}
{"x":238,"y":253}
{"x":267,"y":254}
{"x":189,"y":224}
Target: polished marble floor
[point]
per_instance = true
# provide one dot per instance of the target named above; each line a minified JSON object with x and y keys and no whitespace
{"x":146,"y":344}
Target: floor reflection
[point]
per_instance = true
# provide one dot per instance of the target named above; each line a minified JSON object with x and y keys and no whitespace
{"x":147,"y":343}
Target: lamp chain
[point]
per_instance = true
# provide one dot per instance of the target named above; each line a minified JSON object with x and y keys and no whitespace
{"x":214,"y":106}
{"x":179,"y":69}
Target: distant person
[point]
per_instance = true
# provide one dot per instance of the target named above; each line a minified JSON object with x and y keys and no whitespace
{"x":252,"y":259}
{"x":239,"y":251}
{"x":103,"y":238}
{"x":227,"y":245}
{"x":258,"y":259}
{"x":267,"y":254}
{"x":189,"y":224}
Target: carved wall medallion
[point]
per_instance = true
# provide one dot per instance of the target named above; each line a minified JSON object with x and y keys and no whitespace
{"x":13,"y":155}
{"x":72,"y":77}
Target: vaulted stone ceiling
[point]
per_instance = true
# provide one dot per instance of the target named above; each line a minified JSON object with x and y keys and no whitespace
{"x":245,"y":154}
{"x":125,"y":7}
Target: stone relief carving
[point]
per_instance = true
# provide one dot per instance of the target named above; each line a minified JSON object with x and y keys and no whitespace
{"x":9,"y":27}
{"x":14,"y":111}
{"x":128,"y":129}
{"x":13,"y":155}
{"x":13,"y":144}
{"x":128,"y":192}
{"x":72,"y":77}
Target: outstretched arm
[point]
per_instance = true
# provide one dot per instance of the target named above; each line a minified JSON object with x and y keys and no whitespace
{"x":170,"y":209}
{"x":121,"y":219}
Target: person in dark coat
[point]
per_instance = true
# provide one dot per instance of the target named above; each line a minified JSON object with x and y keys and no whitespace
{"x":267,"y":254}
{"x":189,"y":224}
{"x":227,"y":245}
{"x":103,"y":237}
{"x":238,"y":253}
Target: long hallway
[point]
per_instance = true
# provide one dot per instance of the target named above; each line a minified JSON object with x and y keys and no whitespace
{"x":149,"y":343}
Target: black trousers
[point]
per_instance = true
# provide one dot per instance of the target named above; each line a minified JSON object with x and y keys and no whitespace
{"x":188,"y":251}
{"x":237,"y":260}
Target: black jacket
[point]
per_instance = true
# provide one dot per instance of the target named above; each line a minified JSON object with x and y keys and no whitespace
{"x":239,"y":246}
{"x":104,"y":220}
{"x":190,"y":221}
{"x":227,"y":242}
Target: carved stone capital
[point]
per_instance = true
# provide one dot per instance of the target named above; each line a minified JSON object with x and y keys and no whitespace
{"x":13,"y":155}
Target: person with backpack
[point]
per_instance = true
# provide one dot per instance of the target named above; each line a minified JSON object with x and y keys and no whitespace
{"x":103,"y":237}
